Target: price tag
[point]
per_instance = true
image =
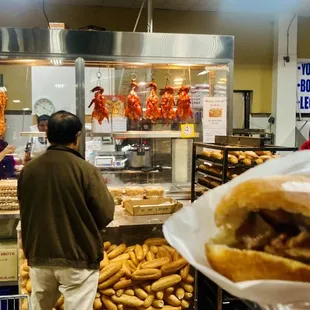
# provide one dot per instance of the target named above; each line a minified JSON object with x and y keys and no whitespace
{"x":187,"y":131}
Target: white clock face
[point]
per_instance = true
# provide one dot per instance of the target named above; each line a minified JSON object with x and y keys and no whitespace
{"x":44,"y":107}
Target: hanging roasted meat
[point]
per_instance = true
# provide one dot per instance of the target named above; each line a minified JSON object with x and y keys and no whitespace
{"x":3,"y":103}
{"x":184,"y":104}
{"x":100,"y":111}
{"x":152,"y":104}
{"x":167,"y":104}
{"x":133,"y":109}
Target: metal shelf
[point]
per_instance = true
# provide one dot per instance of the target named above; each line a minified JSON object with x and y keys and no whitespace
{"x":174,"y":134}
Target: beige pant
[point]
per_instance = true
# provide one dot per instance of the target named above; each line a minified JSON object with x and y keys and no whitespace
{"x":78,"y":287}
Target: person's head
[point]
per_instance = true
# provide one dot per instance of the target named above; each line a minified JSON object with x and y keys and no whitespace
{"x":64,"y":128}
{"x":43,"y":122}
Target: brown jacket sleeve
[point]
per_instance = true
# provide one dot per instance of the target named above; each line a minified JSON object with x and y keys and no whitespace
{"x":99,"y":201}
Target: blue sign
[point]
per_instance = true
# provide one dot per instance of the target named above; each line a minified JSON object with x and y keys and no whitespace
{"x":303,"y":87}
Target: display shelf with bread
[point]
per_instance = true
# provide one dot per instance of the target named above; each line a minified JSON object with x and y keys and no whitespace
{"x":214,"y":164}
{"x":136,"y":272}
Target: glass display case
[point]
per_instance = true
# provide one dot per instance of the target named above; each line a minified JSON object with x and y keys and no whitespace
{"x":148,"y":93}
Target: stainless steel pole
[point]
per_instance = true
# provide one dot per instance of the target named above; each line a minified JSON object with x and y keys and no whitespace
{"x":80,"y":97}
{"x":150,"y":16}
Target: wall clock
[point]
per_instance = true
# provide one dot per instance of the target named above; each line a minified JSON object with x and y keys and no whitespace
{"x":44,"y":106}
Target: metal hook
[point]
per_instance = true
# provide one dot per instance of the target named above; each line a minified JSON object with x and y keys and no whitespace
{"x":99,"y":74}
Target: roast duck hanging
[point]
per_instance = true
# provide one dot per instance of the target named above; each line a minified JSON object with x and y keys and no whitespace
{"x":100,"y":111}
{"x":133,"y":109}
{"x":152,"y":104}
{"x":3,"y":103}
{"x":184,"y":110}
{"x":167,"y":104}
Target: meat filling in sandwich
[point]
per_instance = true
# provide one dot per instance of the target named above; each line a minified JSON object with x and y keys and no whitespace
{"x":264,"y":231}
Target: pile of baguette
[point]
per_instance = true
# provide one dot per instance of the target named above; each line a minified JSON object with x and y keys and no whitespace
{"x":8,"y":195}
{"x":136,"y":192}
{"x":151,"y":276}
{"x":247,"y":158}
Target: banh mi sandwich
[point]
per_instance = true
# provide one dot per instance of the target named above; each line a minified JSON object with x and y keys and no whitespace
{"x":264,"y":231}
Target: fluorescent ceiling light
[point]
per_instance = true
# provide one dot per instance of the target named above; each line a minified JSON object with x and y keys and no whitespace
{"x":16,"y":101}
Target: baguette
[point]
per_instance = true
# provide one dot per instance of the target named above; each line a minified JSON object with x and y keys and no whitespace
{"x":130,"y":248}
{"x":188,"y":296}
{"x":122,"y":284}
{"x":247,"y":162}
{"x":131,"y":265}
{"x":122,"y":257}
{"x":139,"y":252}
{"x":176,"y":255}
{"x":156,"y":242}
{"x":146,"y":286}
{"x":187,"y":287}
{"x":129,"y":292}
{"x":184,"y":304}
{"x":172,"y":300}
{"x":166,"y":282}
{"x":120,"y":307}
{"x":117,"y":251}
{"x":169,"y":248}
{"x":106,"y":245}
{"x":158,"y":303}
{"x":190,"y":279}
{"x":174,"y":266}
{"x":184,"y":272}
{"x":105,"y":261}
{"x":170,"y":308}
{"x":259,"y":161}
{"x":165,"y":253}
{"x":146,"y":274}
{"x":108,"y":303}
{"x":156,"y":263}
{"x":169,"y":290}
{"x":108,"y":292}
{"x":131,"y":301}
{"x":154,"y":249}
{"x":111,"y":248}
{"x":133,"y":258}
{"x":233,"y":159}
{"x":112,"y":280}
{"x":109,"y":271}
{"x":180,"y":293}
{"x":126,"y":269}
{"x":97,"y":304}
{"x":160,"y":295}
{"x":140,"y":293}
{"x":149,"y":301}
{"x":119,"y":292}
{"x":150,"y":256}
{"x":145,"y":249}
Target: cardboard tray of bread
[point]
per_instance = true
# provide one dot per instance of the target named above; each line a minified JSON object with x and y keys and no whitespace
{"x":251,"y":236}
{"x":152,"y":206}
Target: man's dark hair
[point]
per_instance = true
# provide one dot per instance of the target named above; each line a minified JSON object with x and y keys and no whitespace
{"x":43,"y":118}
{"x":63,"y":128}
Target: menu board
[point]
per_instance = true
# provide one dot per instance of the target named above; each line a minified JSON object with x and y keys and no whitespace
{"x":214,"y":119}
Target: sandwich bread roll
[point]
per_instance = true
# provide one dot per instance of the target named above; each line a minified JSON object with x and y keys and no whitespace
{"x":264,"y":231}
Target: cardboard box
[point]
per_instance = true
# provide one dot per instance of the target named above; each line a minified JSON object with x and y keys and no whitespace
{"x":8,"y":261}
{"x":152,"y":206}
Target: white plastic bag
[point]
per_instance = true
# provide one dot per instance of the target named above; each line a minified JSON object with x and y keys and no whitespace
{"x":190,"y":228}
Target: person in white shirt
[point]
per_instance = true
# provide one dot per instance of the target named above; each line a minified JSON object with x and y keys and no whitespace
{"x":38,"y":145}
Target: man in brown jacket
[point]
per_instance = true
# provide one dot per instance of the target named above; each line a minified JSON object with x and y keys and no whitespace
{"x":64,"y":204}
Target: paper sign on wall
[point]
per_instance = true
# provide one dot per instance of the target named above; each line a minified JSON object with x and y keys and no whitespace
{"x":303,"y":87}
{"x":187,"y":131}
{"x":214,"y":119}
